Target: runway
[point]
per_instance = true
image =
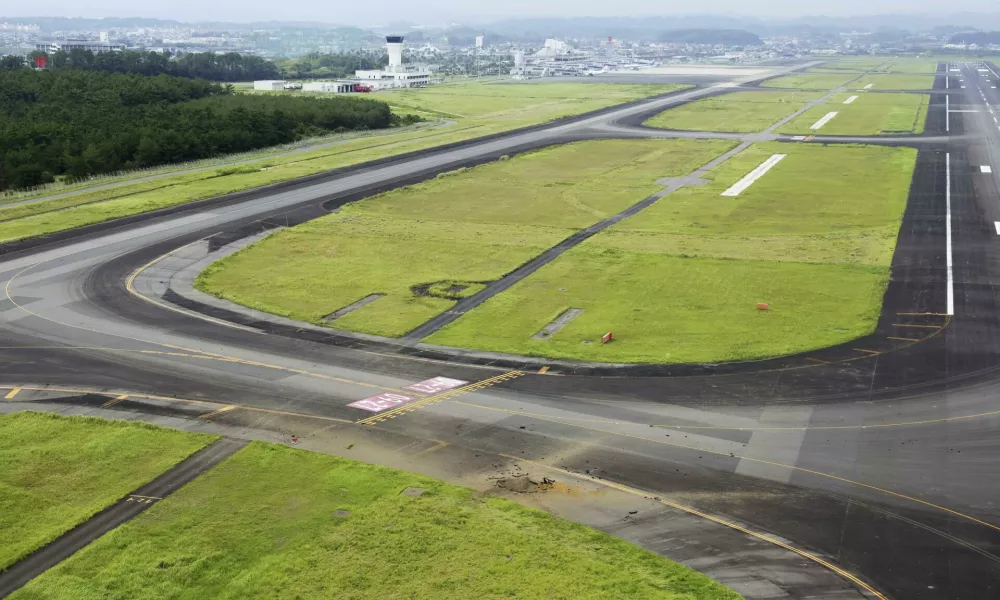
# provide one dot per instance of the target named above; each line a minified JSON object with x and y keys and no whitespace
{"x":879,"y":455}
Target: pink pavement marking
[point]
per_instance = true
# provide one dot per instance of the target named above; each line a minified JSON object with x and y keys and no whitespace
{"x":435,"y":385}
{"x":381,"y":402}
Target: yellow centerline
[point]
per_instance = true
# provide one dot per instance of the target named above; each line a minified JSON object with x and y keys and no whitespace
{"x":693,"y":511}
{"x":130,"y":288}
{"x":181,"y":348}
{"x":114,"y":401}
{"x":757,"y":460}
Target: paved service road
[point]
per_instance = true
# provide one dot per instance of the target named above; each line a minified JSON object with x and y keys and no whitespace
{"x":879,"y":456}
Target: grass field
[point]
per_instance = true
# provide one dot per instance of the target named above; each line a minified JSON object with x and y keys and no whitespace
{"x":520,"y":102}
{"x":808,"y":81}
{"x":895,"y":82}
{"x":467,"y":227}
{"x":679,"y":281}
{"x":740,"y":112}
{"x":539,"y":103}
{"x":56,"y":472}
{"x":869,"y":114}
{"x":261,"y":525}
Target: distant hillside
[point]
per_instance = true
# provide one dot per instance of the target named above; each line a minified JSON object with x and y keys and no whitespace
{"x":980,"y":38}
{"x":726,"y":37}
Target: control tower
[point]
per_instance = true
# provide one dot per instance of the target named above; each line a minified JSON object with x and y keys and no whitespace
{"x":394,"y":44}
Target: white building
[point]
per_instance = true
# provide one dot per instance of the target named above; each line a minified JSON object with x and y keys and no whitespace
{"x":330,"y":87}
{"x":68,"y":45}
{"x":395,"y":75}
{"x":269,"y":85}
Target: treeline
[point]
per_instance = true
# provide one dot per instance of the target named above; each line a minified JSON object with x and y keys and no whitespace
{"x":206,"y":65}
{"x":76,"y":123}
{"x":344,"y":64}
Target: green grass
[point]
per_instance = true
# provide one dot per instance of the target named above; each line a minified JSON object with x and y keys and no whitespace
{"x":512,"y":106}
{"x":810,"y":81}
{"x":520,"y":102}
{"x":261,"y":525}
{"x":870,"y":114}
{"x":679,"y":281}
{"x":740,"y":112}
{"x":895,"y":82}
{"x":914,"y":65}
{"x":472,"y":226}
{"x":56,"y":472}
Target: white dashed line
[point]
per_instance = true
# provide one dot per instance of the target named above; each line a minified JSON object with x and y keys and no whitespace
{"x":753,"y":176}
{"x":826,"y":119}
{"x":986,"y":169}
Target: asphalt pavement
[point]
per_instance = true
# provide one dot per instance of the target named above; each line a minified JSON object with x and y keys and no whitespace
{"x":878,"y":457}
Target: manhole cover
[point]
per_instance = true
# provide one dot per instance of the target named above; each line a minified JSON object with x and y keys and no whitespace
{"x":414,"y":492}
{"x":341,"y":513}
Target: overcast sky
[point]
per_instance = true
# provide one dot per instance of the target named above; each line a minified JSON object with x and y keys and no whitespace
{"x":438,"y":11}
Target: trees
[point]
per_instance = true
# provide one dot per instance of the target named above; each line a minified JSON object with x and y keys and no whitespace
{"x":343,"y":64}
{"x":76,"y":122}
{"x":226,"y":67}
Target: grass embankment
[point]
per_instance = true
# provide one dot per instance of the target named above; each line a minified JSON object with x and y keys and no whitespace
{"x":500,"y":107}
{"x":739,"y":112}
{"x":845,"y":66}
{"x":56,"y":472}
{"x":467,"y":227}
{"x":806,"y":81}
{"x":262,"y":525}
{"x":869,"y":114}
{"x":678,"y":282}
{"x":892,"y":81}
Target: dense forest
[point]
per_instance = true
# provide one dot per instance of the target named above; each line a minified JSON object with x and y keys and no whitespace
{"x":75,"y":122}
{"x":206,"y":65}
{"x":332,"y":65}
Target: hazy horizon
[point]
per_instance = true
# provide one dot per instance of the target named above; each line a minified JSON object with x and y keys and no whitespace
{"x":443,"y":11}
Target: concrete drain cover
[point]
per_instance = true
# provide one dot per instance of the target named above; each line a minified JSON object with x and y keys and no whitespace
{"x":413,"y":492}
{"x":341,"y":513}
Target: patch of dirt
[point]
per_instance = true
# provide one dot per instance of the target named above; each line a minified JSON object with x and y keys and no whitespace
{"x":448,"y":289}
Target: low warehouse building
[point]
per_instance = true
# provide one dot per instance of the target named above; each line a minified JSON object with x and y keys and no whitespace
{"x":330,"y":87}
{"x":269,"y":85}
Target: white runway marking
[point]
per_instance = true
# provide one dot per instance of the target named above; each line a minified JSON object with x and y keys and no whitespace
{"x":826,"y":119}
{"x":753,"y":176}
{"x":850,"y":100}
{"x":986,"y":169}
{"x":997,"y":225}
{"x":947,"y":219}
{"x":869,"y":86}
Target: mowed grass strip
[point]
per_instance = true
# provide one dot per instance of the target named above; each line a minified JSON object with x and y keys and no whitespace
{"x":806,"y":81}
{"x":518,"y":102}
{"x":262,"y":525}
{"x":739,"y":112}
{"x":471,"y":226}
{"x":892,"y":81}
{"x":869,"y":114}
{"x":668,"y":309}
{"x":679,"y":282}
{"x":491,"y":108}
{"x":56,"y":472}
